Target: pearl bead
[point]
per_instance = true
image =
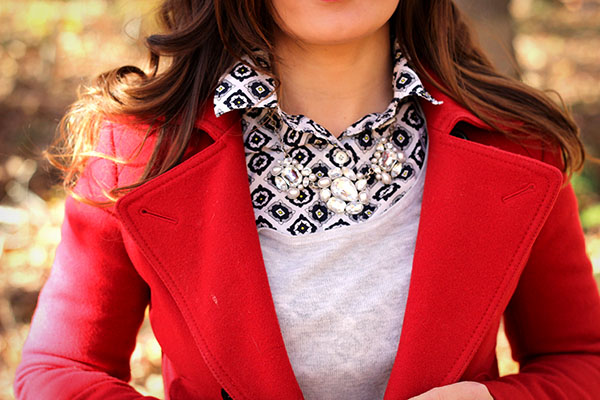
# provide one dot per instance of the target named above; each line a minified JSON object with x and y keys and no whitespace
{"x":293,"y":193}
{"x":386,"y":178}
{"x":324,"y":182}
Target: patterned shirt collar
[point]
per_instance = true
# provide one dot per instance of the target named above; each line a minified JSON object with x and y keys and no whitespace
{"x":245,"y":88}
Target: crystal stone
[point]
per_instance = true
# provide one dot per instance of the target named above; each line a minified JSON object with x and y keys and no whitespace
{"x":344,"y":189}
{"x":336,"y":205}
{"x":388,"y":159}
{"x":281,"y":183}
{"x":292,"y":176}
{"x":354,"y":208}
{"x":397,"y":169}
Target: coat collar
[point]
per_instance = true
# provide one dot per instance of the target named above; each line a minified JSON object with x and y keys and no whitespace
{"x":482,"y":209}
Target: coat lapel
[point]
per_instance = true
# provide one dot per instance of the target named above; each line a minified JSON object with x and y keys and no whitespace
{"x":482,"y":208}
{"x":195,"y":224}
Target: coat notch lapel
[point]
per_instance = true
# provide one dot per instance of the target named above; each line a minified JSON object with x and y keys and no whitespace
{"x":199,"y":234}
{"x":195,"y":224}
{"x":482,"y":209}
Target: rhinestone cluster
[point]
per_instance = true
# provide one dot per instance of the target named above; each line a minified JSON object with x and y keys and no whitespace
{"x":387,"y":161}
{"x":290,"y":178}
{"x":342,"y":190}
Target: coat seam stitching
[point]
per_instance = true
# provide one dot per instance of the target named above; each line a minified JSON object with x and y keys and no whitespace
{"x":485,"y":320}
{"x":221,"y":370}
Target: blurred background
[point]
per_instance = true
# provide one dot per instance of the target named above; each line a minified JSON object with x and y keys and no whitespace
{"x":49,"y":48}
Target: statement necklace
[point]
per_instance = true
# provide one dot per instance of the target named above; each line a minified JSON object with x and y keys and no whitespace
{"x":343,"y":190}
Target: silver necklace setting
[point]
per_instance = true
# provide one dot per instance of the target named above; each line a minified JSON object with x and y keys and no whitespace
{"x":343,"y":190}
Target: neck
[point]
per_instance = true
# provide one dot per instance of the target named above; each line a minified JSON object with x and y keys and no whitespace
{"x":335,"y":85}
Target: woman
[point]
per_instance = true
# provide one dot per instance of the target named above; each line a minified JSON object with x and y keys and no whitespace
{"x":302,"y":228}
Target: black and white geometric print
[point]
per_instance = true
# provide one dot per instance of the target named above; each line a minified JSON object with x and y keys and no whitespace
{"x":302,"y":226}
{"x":259,"y":162}
{"x":261,"y":196}
{"x":267,"y":130}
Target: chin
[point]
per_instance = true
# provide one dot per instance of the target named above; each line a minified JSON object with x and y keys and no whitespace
{"x":332,"y":22}
{"x":333,"y":35}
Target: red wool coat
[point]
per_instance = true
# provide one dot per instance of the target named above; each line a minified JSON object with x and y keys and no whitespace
{"x":499,"y":235}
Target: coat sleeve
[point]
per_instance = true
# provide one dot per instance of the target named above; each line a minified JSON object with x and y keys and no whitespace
{"x":553,"y":319}
{"x":90,"y":309}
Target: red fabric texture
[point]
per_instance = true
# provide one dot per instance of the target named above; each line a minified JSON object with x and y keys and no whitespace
{"x":499,"y":235}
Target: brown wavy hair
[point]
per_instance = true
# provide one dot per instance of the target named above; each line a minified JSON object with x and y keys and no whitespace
{"x":202,"y":38}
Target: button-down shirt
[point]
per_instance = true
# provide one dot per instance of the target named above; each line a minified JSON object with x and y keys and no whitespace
{"x":339,"y":282}
{"x":268,"y":129}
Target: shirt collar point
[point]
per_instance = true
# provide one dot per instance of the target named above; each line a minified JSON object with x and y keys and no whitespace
{"x":427,"y":96}
{"x":218,"y":112}
{"x":433,"y":101}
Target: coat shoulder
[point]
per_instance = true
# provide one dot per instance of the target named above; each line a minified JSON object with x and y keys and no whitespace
{"x":120,"y":153}
{"x":123,"y":150}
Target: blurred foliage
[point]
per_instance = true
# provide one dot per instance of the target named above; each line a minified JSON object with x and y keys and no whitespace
{"x":49,"y":48}
{"x":590,"y":217}
{"x":556,"y":44}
